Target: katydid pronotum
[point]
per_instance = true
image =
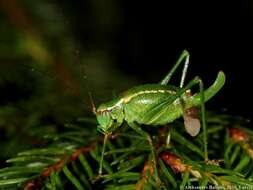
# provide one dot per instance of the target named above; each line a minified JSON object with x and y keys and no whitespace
{"x":158,"y":104}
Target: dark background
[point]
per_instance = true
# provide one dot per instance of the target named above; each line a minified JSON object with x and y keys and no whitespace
{"x":52,"y":53}
{"x":218,"y":35}
{"x":149,"y":36}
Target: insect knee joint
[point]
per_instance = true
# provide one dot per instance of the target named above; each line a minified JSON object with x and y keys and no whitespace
{"x":149,"y":139}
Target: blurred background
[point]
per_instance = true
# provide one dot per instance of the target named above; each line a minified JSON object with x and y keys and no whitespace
{"x":52,"y":53}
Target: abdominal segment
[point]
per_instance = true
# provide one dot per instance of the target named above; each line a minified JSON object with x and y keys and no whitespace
{"x":148,"y":109}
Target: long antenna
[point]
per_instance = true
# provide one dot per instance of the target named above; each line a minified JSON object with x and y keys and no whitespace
{"x":93,"y":107}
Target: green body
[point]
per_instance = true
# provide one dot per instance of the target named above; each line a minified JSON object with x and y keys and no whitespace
{"x":146,"y":104}
{"x":158,"y":104}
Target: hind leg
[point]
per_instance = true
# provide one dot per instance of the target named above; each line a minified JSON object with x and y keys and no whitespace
{"x":184,"y":56}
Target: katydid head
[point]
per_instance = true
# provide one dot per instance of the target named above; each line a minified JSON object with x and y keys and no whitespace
{"x":109,"y":116}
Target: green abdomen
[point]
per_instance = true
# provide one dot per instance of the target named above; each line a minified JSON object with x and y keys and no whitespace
{"x":143,"y":104}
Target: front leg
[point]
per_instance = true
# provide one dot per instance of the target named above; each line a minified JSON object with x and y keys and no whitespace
{"x":138,"y":129}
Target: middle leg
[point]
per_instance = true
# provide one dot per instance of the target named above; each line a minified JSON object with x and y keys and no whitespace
{"x":138,"y":129}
